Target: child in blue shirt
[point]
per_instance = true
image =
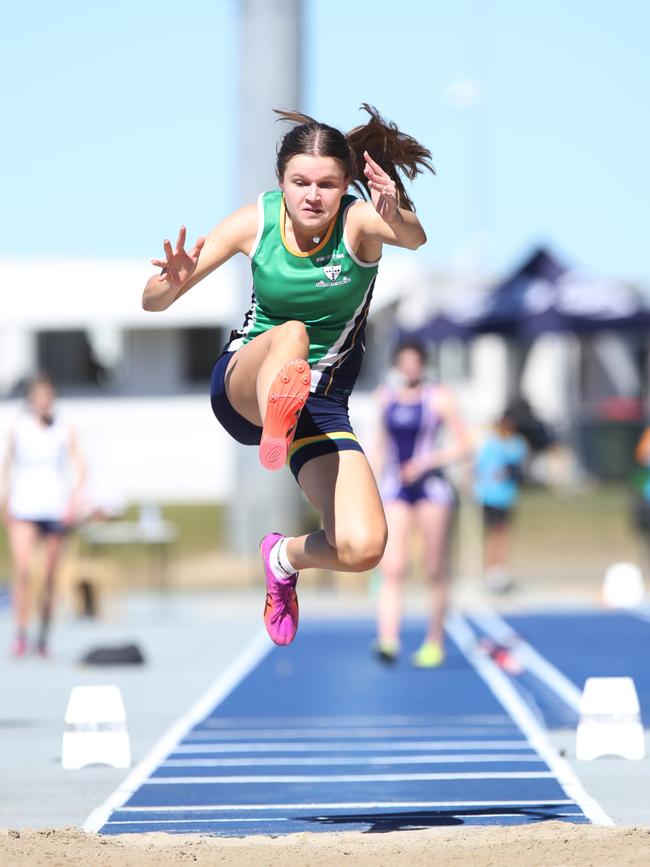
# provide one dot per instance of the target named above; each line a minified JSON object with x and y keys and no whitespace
{"x":498,"y":471}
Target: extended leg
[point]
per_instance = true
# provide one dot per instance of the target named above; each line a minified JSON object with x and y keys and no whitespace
{"x":253,"y":367}
{"x":393,"y":570}
{"x":53,"y":545}
{"x":434,"y":520}
{"x":268,"y":382}
{"x":23,"y":538}
{"x":343,"y":489}
{"x":497,"y":555}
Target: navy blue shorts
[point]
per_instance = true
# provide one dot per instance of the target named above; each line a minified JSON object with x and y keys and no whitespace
{"x":323,"y":426}
{"x":434,"y":488}
{"x":496,"y":516}
{"x":45,"y":526}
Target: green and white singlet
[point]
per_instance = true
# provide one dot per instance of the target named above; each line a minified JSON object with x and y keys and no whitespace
{"x":328,"y":288}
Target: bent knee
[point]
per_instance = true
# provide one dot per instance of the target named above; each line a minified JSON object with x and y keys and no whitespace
{"x":363,"y":551}
{"x":294,"y":331}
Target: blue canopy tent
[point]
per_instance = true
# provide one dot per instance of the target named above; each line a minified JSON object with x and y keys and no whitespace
{"x":539,"y":297}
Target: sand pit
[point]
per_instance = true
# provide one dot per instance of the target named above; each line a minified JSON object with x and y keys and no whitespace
{"x":554,"y":843}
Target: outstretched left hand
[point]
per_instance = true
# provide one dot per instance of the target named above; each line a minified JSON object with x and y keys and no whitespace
{"x":383,"y":191}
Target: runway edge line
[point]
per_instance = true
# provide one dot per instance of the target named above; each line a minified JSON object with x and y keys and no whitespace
{"x":224,"y":684}
{"x":464,"y":637}
{"x":500,"y":630}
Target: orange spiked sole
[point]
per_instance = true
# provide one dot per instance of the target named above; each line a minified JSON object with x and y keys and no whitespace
{"x":287,"y":396}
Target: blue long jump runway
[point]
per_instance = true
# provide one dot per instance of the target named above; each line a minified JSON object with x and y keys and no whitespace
{"x":320,"y":736}
{"x":584,"y":644}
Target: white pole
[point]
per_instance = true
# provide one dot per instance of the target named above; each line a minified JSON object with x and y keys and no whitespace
{"x":270,"y":76}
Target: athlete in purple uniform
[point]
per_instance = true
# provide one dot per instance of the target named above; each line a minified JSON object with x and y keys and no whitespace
{"x":415,"y":492}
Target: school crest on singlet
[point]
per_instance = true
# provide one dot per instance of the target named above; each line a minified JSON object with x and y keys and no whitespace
{"x":332,"y":271}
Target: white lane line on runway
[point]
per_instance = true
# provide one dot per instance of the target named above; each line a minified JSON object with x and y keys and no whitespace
{"x":350,"y":805}
{"x":201,"y":821}
{"x":291,"y":734}
{"x":506,"y":693}
{"x":640,"y":613}
{"x":374,"y":819}
{"x":254,"y":723}
{"x":327,"y":779}
{"x":501,"y":631}
{"x":252,"y":655}
{"x":423,"y":759}
{"x":345,"y":747}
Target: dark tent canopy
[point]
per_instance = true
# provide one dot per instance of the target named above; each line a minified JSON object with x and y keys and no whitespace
{"x":541,"y":296}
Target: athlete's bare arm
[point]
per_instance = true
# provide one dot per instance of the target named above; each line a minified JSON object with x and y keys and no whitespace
{"x":78,"y":465}
{"x":5,"y":475}
{"x":377,"y":452}
{"x":381,"y":221}
{"x":183,"y":269}
{"x":460,"y":445}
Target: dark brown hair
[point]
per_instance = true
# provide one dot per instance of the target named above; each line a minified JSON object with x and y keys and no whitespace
{"x":392,"y":149}
{"x":411,"y":345}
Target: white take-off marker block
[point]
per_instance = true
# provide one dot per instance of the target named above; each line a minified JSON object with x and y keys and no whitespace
{"x":95,"y":728}
{"x":610,"y":720}
{"x":623,"y":586}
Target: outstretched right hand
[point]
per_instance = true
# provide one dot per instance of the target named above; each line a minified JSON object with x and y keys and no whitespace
{"x":179,"y":264}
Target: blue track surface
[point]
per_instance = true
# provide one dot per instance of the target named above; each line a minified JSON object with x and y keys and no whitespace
{"x":320,"y":736}
{"x":592,"y":644}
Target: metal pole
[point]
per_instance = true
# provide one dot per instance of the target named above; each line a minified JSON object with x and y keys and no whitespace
{"x":270,"y":75}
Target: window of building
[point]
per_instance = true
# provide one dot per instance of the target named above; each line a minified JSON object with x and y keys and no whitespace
{"x":68,"y":358}
{"x":201,"y":348}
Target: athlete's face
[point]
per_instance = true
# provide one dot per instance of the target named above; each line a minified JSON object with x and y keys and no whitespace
{"x":41,"y":399}
{"x":410,"y":365}
{"x":313,"y":187}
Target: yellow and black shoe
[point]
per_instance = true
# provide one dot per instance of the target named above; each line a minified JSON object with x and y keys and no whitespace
{"x":386,"y":651}
{"x":430,"y":655}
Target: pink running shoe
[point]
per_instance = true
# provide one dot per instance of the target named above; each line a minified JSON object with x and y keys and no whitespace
{"x":287,"y":396}
{"x":19,"y":647}
{"x":281,"y":606}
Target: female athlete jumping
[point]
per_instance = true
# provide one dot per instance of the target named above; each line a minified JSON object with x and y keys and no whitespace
{"x":284,"y":378}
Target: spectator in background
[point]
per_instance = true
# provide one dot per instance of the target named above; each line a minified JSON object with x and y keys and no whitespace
{"x":42,"y":478}
{"x":410,"y":462}
{"x":498,"y":471}
{"x":642,"y":499}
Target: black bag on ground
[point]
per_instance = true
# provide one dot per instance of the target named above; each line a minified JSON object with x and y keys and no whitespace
{"x":125,"y":654}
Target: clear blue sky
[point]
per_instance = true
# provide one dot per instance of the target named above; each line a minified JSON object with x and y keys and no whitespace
{"x":119,"y":119}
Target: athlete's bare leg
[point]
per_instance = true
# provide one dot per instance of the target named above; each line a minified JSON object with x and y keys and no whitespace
{"x":497,"y":545}
{"x":393,"y":571}
{"x":253,"y":368}
{"x":23,"y":539}
{"x":342,"y":488}
{"x":434,"y":520}
{"x":53,"y":544}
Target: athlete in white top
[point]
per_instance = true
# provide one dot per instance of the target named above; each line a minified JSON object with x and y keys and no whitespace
{"x":42,"y":477}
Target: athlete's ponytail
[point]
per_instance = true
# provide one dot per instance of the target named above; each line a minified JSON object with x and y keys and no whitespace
{"x":393,"y":150}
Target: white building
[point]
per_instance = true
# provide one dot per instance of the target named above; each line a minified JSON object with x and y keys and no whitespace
{"x":136,"y":384}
